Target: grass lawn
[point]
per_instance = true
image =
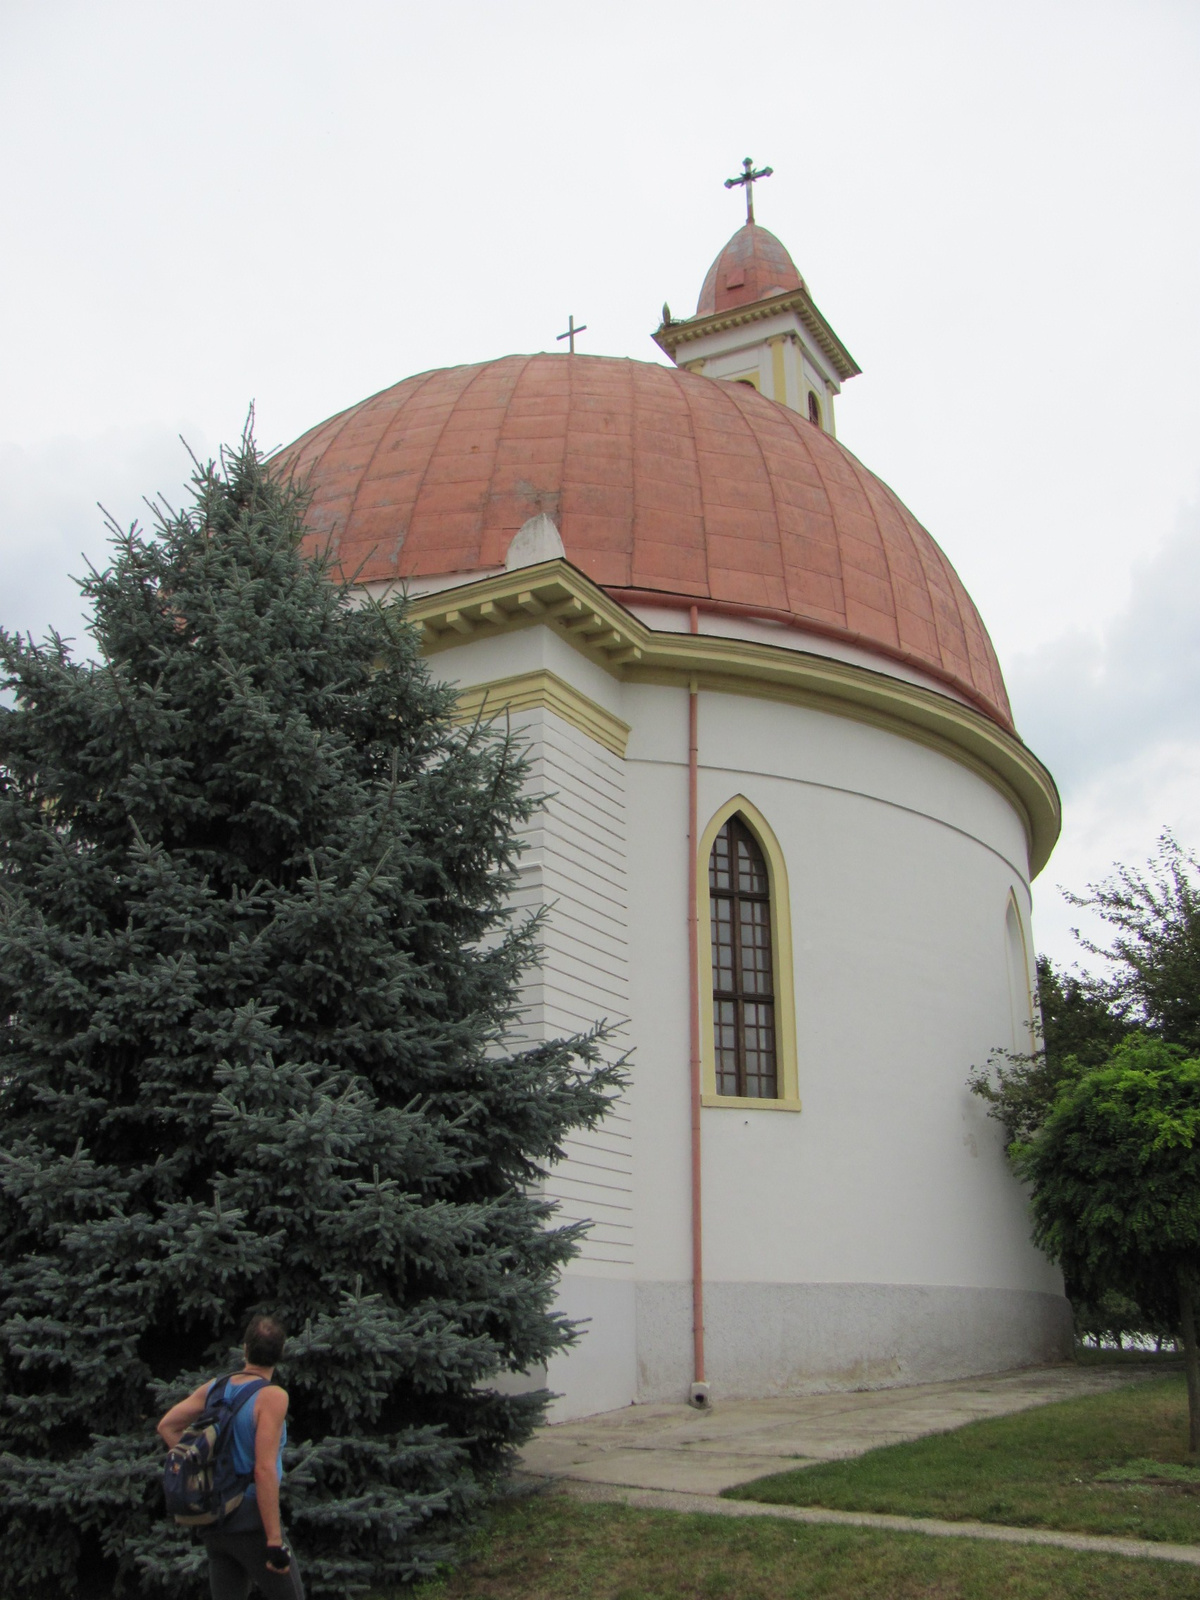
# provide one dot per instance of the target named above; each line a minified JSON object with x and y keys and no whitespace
{"x":1044,"y":1468}
{"x":551,"y":1548}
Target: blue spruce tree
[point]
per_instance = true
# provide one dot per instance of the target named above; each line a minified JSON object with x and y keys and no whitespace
{"x":257,"y":976}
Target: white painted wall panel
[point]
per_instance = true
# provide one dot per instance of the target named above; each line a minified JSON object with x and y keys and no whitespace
{"x":900,"y":865}
{"x":575,"y":870}
{"x":884,"y":1210}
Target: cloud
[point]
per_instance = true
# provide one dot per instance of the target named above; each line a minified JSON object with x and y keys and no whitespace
{"x":1090,"y":701}
{"x":51,"y":525}
{"x":1115,"y":715}
{"x":1117,"y":817}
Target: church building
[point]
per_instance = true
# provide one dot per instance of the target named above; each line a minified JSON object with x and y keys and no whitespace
{"x":787,"y":843}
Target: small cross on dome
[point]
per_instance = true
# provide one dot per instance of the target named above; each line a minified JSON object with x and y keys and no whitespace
{"x":572,"y":330}
{"x":749,"y":177}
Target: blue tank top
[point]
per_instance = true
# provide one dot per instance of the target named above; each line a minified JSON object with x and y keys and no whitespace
{"x":243,"y":1437}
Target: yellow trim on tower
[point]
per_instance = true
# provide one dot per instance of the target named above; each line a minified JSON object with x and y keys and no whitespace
{"x":778,"y":375}
{"x":525,"y":690}
{"x":781,"y":961}
{"x":671,"y":335}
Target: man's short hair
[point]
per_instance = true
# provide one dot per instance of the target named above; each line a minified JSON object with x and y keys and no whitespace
{"x":264,"y":1340}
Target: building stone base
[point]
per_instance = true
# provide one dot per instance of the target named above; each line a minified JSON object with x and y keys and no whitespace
{"x":768,"y":1339}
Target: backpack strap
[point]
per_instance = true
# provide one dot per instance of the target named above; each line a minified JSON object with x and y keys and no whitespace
{"x":217,"y":1386}
{"x":242,"y":1393}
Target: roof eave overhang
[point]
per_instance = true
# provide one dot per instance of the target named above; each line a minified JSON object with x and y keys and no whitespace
{"x":557,"y":595}
{"x":671,"y":335}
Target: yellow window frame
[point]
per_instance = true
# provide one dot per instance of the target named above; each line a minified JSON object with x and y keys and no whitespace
{"x":781,"y":957}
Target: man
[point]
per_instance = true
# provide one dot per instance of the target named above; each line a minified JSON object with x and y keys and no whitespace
{"x":249,"y":1549}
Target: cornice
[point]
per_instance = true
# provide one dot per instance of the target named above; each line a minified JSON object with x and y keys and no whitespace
{"x":671,"y":335}
{"x":556,"y":595}
{"x":542,"y":687}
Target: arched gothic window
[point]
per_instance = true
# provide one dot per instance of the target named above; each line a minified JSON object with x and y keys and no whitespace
{"x":814,"y":408}
{"x":742,"y":965}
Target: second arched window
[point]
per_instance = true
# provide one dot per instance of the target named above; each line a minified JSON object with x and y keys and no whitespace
{"x":743,"y":967}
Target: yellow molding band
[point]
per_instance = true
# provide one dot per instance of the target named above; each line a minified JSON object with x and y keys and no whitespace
{"x":545,"y":689}
{"x":732,"y":1103}
{"x":778,"y":379}
{"x":557,"y":595}
{"x":671,"y":335}
{"x":781,"y":962}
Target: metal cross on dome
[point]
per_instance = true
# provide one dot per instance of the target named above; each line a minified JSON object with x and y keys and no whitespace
{"x":749,"y":178}
{"x":572,"y":330}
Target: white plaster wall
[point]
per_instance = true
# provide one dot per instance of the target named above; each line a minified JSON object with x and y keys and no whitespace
{"x":574,"y":871}
{"x":880,"y":1224}
{"x":503,"y":655}
{"x":734,"y":349}
{"x":891,"y":1179}
{"x":599,"y":1373}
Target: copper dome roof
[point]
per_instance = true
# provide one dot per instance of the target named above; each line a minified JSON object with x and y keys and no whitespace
{"x":660,"y":481}
{"x":752,"y":266}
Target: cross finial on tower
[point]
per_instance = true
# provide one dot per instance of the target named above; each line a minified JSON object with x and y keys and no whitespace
{"x":748,"y":178}
{"x":572,"y":330}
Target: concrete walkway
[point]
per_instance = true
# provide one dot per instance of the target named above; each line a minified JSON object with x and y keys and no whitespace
{"x":673,"y":1448}
{"x":660,"y":1500}
{"x":671,"y":1458}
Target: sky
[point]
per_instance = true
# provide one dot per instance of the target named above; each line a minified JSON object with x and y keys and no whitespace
{"x":997,"y":207}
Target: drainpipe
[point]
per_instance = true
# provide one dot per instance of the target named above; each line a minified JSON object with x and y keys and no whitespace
{"x":698,"y":1395}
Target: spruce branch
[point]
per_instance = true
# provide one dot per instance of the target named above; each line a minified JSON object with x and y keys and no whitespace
{"x":260,"y":987}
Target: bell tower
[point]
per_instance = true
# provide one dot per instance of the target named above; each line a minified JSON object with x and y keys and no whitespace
{"x":756,"y":323}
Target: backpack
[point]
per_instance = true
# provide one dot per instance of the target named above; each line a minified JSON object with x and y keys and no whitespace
{"x":200,"y":1484}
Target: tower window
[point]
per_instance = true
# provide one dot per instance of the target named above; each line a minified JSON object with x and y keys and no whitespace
{"x":814,"y":408}
{"x":742,"y":965}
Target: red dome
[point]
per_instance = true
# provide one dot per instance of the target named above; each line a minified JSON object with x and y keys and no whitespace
{"x":752,"y":266}
{"x":660,"y":481}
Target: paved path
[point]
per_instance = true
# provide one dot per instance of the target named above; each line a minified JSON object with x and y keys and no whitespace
{"x":660,"y":1500}
{"x":673,"y":1448}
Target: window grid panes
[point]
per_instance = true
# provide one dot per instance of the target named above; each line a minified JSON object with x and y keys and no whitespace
{"x":742,"y":966}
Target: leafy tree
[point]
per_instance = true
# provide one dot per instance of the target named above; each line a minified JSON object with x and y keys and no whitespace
{"x":1155,"y":952}
{"x":1081,"y":1020}
{"x":1113,"y":1318}
{"x":1078,"y":1027}
{"x":1115,"y":1176}
{"x":256,"y":979}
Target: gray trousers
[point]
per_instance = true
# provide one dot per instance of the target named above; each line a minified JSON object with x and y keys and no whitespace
{"x":237,"y":1563}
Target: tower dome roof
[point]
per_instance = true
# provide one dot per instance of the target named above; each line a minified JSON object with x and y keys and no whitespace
{"x":660,"y":482}
{"x":752,"y":266}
